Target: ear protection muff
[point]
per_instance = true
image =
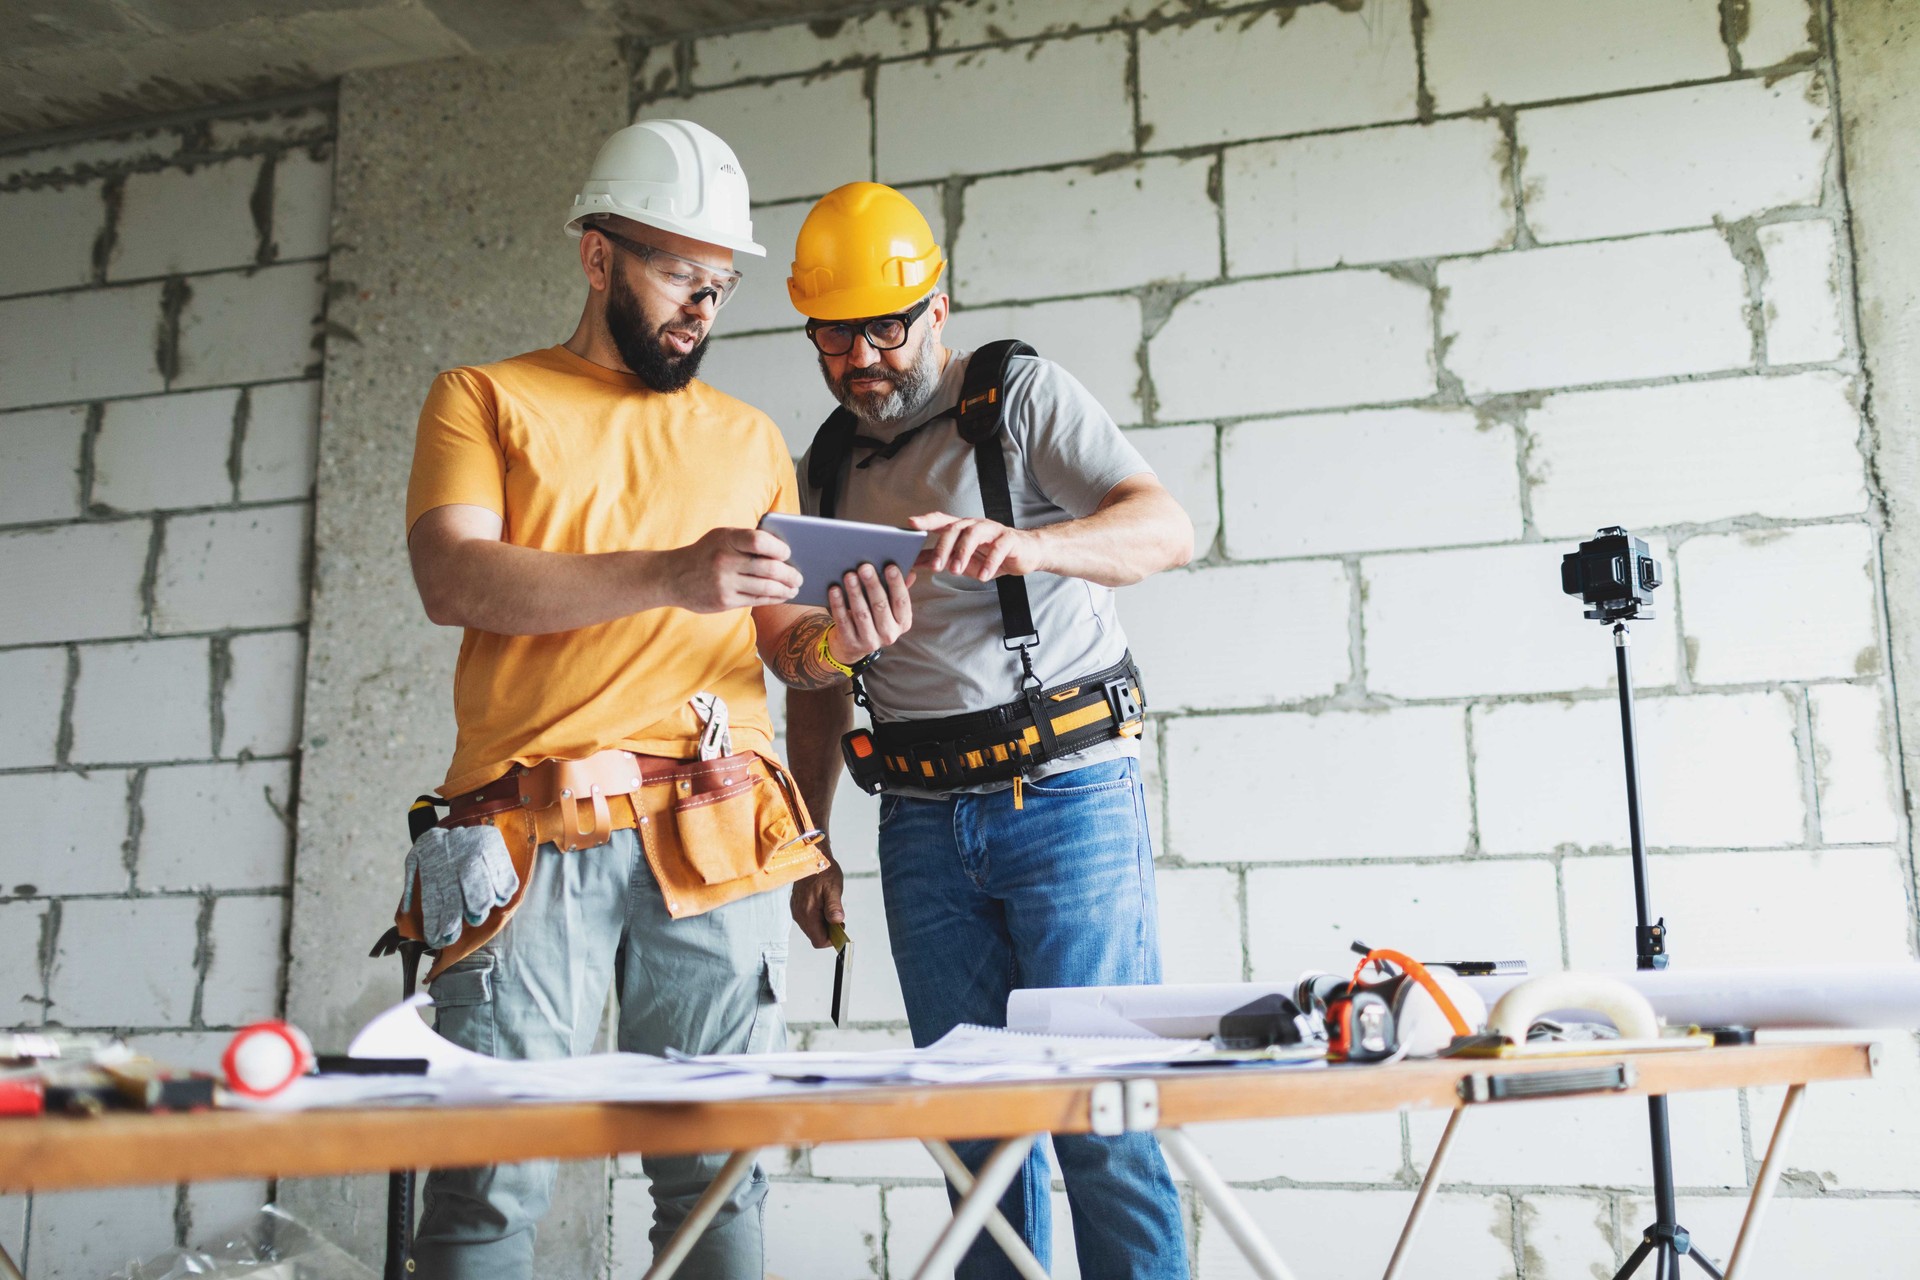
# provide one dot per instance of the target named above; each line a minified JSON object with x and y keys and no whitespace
{"x":1414,"y":1011}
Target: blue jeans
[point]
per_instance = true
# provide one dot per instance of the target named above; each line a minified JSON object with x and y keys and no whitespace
{"x":983,"y":898}
{"x":710,"y":983}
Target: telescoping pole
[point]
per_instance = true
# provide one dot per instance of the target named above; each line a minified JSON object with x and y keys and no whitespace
{"x":1650,"y":953}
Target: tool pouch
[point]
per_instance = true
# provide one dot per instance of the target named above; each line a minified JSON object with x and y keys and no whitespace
{"x":717,"y":823}
{"x":736,"y":816}
{"x":863,"y":761}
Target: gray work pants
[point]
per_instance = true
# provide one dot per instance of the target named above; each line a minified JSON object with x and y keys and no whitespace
{"x":711,"y":983}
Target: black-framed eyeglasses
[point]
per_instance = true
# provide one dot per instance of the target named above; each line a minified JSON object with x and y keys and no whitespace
{"x":690,"y":282}
{"x":883,"y":333}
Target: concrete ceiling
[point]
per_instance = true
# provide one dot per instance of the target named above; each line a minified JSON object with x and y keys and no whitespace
{"x":68,"y":63}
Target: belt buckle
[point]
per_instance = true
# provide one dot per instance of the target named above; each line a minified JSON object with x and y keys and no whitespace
{"x":943,"y":752}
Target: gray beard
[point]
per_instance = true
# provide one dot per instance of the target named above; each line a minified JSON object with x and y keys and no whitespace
{"x":913,"y":390}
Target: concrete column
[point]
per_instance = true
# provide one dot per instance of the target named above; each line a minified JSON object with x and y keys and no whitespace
{"x":1877,"y":58}
{"x":453,"y":179}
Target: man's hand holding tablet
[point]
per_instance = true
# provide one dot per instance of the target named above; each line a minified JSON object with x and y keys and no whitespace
{"x":854,"y":571}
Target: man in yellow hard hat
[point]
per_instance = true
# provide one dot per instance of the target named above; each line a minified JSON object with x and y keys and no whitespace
{"x":588,"y":514}
{"x":1014,"y":846}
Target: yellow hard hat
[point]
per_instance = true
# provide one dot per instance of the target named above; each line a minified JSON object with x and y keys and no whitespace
{"x":864,"y":250}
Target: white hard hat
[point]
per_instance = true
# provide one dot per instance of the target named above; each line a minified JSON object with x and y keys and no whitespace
{"x":674,"y":175}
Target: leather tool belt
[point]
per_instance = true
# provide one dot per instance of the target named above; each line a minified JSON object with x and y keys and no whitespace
{"x":571,"y":785}
{"x":713,"y":831}
{"x":1001,"y":743}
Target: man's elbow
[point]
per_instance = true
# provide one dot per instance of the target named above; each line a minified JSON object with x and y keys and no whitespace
{"x":441,"y":612}
{"x":1175,"y":541}
{"x":1180,"y":540}
{"x":444,"y":607}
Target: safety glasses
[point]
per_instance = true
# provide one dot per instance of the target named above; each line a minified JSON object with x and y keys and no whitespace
{"x":684,"y":279}
{"x":883,"y":333}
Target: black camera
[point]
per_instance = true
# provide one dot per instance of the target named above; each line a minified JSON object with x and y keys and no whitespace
{"x":1614,"y":575}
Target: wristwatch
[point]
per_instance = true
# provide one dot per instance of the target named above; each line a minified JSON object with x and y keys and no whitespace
{"x":826,"y":656}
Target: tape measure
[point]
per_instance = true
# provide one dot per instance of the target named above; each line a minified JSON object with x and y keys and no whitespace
{"x":265,"y":1058}
{"x":1367,"y":1021}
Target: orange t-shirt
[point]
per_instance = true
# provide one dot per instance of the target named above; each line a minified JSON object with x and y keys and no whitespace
{"x":578,"y":458}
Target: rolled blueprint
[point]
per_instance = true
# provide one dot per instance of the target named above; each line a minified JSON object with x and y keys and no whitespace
{"x":1183,"y":1012}
{"x":1873,"y":997}
{"x":1868,"y":997}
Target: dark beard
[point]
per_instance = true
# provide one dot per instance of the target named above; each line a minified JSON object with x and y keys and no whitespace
{"x":643,"y":350}
{"x":911,"y":390}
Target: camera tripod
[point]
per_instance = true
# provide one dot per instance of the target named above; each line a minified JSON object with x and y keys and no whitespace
{"x":1665,"y":1238}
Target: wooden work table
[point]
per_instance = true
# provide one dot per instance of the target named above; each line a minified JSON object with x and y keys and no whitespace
{"x":60,"y":1153}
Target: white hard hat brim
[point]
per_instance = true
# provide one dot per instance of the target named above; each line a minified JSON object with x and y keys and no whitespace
{"x":647,"y":217}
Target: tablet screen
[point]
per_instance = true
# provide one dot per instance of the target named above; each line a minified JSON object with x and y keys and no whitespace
{"x":823,"y":550}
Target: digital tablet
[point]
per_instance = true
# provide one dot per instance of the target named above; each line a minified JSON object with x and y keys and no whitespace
{"x":823,"y":550}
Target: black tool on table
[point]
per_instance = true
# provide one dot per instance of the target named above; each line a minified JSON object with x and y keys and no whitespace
{"x":1273,"y":1019}
{"x":339,"y":1064}
{"x":1615,"y":576}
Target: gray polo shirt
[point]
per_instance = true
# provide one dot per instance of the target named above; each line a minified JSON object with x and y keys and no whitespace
{"x":1064,"y":454}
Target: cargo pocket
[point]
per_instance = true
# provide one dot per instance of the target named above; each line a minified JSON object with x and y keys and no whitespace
{"x":769,"y":1032}
{"x":463,"y":1003}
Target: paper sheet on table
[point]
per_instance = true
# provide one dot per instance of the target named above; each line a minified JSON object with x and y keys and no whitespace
{"x":970,"y":1054}
{"x":314,"y":1093}
{"x":1001,"y":1044}
{"x":457,"y":1076}
{"x":399,"y":1033}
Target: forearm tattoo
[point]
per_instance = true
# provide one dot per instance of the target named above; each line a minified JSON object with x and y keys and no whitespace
{"x":797,"y":662}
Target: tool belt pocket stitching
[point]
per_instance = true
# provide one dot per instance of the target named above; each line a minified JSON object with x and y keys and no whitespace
{"x":706,"y":768}
{"x":714,"y":797}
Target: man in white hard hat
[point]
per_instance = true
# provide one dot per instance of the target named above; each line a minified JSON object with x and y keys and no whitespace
{"x":617,"y":816}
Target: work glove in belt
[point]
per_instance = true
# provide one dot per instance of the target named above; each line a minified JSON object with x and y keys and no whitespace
{"x":464,"y":874}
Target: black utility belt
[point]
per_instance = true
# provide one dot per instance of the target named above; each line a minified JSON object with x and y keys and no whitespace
{"x":1001,"y":743}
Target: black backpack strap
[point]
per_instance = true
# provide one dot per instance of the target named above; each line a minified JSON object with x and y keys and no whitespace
{"x":827,"y":459}
{"x":978,"y":419}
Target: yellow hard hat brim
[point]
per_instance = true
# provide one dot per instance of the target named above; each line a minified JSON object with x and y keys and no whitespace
{"x":861,"y":303}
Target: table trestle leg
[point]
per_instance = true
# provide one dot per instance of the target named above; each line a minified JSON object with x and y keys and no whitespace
{"x":1428,"y":1185}
{"x":736,"y":1171}
{"x":998,"y":1227}
{"x":970,"y":1215}
{"x":1769,"y":1179}
{"x":1220,"y":1198}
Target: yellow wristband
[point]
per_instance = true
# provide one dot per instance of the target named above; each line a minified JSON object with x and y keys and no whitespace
{"x":826,"y":654}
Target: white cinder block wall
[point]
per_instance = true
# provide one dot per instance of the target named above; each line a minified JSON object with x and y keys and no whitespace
{"x":1402,"y":299}
{"x":160,"y":305}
